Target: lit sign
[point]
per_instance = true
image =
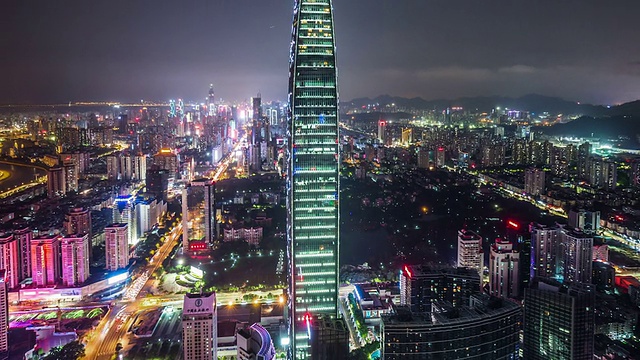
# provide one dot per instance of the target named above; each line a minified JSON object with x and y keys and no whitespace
{"x":406,"y":269}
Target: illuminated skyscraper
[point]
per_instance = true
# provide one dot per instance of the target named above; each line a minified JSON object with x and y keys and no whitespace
{"x":45,"y":260}
{"x":75,"y":259}
{"x":198,"y":214}
{"x":4,"y":315}
{"x":116,"y":246}
{"x":313,"y":186}
{"x":200,"y":327}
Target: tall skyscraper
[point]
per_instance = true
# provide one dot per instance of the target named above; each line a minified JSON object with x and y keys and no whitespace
{"x":23,"y":234}
{"x":75,"y":259}
{"x":45,"y":260}
{"x":198,"y":213}
{"x":313,"y":174}
{"x":544,"y":242}
{"x":504,"y":265}
{"x":4,"y":315}
{"x":559,"y":321}
{"x":199,"y":327}
{"x":10,"y":260}
{"x":116,"y":246}
{"x":470,"y":250}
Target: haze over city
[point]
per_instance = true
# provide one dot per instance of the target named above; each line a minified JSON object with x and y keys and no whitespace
{"x":126,"y":51}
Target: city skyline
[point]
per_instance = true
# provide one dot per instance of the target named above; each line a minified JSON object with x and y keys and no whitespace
{"x":412,"y":49}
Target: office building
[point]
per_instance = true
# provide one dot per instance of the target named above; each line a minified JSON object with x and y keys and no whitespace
{"x":23,"y":235}
{"x":328,"y":337}
{"x":486,"y":328}
{"x":10,"y":259}
{"x":158,"y":183}
{"x":116,"y":246}
{"x":534,"y":182}
{"x":45,"y":260}
{"x":470,"y":254}
{"x":559,"y":321}
{"x":313,"y":156}
{"x":124,"y":212}
{"x":75,"y":259}
{"x":504,"y":266}
{"x":167,"y":160}
{"x":421,"y":286}
{"x":199,"y":327}
{"x":198,"y":213}
{"x":4,"y":314}
{"x":254,"y":343}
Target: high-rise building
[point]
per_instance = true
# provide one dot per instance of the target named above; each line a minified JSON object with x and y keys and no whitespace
{"x":77,"y":221}
{"x":559,"y":321}
{"x":4,"y":315}
{"x":198,"y":213}
{"x":440,"y":156}
{"x":56,"y":185}
{"x":75,"y":259}
{"x":140,"y":167}
{"x":116,"y":246}
{"x":313,"y":174}
{"x":421,"y":286}
{"x":585,"y":220}
{"x":71,"y":176}
{"x":158,"y":183}
{"x":126,"y":166}
{"x":382,"y":132}
{"x":470,"y":253}
{"x":504,"y":266}
{"x":583,"y":156}
{"x":113,"y":167}
{"x":254,"y":343}
{"x":534,"y":182}
{"x":544,"y":244}
{"x":10,"y":259}
{"x":575,"y":256}
{"x":45,"y":260}
{"x":166,"y":160}
{"x":485,"y":328}
{"x":23,"y":235}
{"x":329,"y":337}
{"x":199,"y":327}
{"x":124,"y":212}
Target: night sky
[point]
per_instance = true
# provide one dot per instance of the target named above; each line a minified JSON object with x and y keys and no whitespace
{"x":127,"y":50}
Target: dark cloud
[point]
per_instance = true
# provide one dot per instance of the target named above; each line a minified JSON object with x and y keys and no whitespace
{"x":157,"y":49}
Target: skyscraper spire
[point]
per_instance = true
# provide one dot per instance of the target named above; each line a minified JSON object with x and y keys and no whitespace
{"x":313,"y":174}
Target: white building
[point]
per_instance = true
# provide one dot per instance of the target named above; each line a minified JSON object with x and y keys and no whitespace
{"x":140,"y":167}
{"x":504,"y":277}
{"x":470,"y":250}
{"x":199,"y":327}
{"x":124,"y":212}
{"x":75,"y":259}
{"x":117,"y":246}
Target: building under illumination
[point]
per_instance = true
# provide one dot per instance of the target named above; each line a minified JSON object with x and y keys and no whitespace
{"x":199,"y":327}
{"x":198,"y":213}
{"x":313,"y":176}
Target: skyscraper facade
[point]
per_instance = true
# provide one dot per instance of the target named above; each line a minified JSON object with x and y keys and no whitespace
{"x":313,"y":178}
{"x":10,"y":260}
{"x":4,"y":315}
{"x":199,"y":327}
{"x":116,"y":246}
{"x":45,"y":260}
{"x":504,"y":266}
{"x":75,"y":259}
{"x":198,"y":213}
{"x":23,"y":234}
{"x":559,"y":321}
{"x":470,"y":250}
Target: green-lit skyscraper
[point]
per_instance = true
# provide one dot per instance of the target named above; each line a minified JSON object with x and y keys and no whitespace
{"x":313,"y":186}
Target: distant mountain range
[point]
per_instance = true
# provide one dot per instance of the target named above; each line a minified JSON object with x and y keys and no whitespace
{"x":533,"y":103}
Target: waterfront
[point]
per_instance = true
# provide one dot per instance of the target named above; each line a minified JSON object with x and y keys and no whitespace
{"x":13,"y":175}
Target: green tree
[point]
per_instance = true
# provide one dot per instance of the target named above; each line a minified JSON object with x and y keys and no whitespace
{"x":71,"y":351}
